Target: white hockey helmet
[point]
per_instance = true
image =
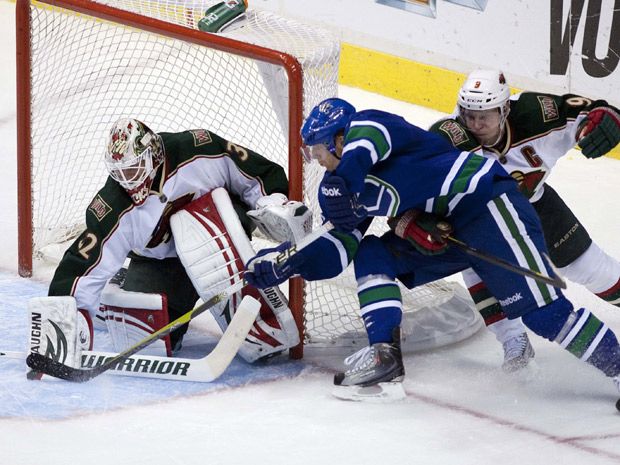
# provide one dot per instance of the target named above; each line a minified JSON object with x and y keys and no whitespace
{"x":484,"y":90}
{"x":134,"y":153}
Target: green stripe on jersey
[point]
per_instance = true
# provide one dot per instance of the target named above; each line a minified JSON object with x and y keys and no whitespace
{"x":371,"y":133}
{"x":349,"y":242}
{"x":469,"y":169}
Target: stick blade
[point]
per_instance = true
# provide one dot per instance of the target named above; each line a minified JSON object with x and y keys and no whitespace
{"x":241,"y":323}
{"x":42,"y":364}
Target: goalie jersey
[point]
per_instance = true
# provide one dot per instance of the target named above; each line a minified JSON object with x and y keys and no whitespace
{"x":540,"y":129}
{"x":195,"y":163}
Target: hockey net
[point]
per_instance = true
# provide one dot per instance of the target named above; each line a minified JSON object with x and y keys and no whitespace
{"x":82,"y":65}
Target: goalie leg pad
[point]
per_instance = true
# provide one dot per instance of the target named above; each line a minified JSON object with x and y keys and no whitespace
{"x":274,"y":329}
{"x":58,"y":330}
{"x":212,"y":246}
{"x":132,"y":316}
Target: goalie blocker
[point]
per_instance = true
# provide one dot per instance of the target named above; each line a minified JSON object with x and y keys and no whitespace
{"x":58,"y":330}
{"x":213,"y":248}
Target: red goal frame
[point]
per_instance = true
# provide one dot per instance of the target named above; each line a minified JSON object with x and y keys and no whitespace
{"x":24,"y":150}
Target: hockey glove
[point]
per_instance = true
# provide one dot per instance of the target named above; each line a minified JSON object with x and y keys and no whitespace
{"x":599,"y":132}
{"x":425,"y":231}
{"x":270,"y":267}
{"x":339,"y":205}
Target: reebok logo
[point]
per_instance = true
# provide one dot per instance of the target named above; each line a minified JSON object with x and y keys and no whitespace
{"x":331,"y":192}
{"x":511,"y":300}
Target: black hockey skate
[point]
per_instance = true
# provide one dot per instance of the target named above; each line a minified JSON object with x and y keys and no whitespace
{"x":376,"y":375}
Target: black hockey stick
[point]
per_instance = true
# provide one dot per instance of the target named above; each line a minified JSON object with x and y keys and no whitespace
{"x":555,"y":281}
{"x":51,"y":367}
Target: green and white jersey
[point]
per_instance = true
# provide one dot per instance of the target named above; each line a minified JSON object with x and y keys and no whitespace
{"x":540,"y":129}
{"x":196,"y":162}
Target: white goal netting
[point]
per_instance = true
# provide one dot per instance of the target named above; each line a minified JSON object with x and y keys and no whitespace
{"x":87,"y":72}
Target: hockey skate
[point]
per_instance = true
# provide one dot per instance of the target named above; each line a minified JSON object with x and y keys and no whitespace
{"x":517,"y":353}
{"x":376,"y":374}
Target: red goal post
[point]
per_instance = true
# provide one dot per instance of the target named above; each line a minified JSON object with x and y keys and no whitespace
{"x":82,"y":64}
{"x":24,"y":55}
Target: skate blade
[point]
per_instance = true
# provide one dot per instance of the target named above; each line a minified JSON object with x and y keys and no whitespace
{"x":378,"y":393}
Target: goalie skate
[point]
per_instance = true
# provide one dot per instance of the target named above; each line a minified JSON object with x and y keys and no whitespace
{"x":376,"y":375}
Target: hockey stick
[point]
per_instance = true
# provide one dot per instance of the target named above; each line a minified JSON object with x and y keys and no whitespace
{"x":202,"y":370}
{"x":40,"y":363}
{"x":555,"y":281}
{"x":48,"y":366}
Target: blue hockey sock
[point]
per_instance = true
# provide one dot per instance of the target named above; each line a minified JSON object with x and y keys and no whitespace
{"x":381,"y":307}
{"x":590,"y":340}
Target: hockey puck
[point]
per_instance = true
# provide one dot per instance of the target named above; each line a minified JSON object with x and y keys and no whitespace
{"x":618,"y":405}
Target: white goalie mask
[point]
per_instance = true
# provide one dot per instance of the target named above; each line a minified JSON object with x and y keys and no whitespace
{"x":133,"y":155}
{"x":485,"y":90}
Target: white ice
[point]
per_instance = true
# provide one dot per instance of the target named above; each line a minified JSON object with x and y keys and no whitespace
{"x":460,"y":409}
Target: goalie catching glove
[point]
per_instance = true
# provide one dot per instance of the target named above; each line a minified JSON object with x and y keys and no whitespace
{"x":599,"y":132}
{"x":281,"y":219}
{"x":425,"y":231}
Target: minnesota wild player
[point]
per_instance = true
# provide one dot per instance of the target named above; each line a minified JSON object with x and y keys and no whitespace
{"x":527,"y":134}
{"x":181,"y":206}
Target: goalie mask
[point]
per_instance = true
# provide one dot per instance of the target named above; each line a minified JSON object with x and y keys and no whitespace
{"x":324,"y":122}
{"x":485,"y":90}
{"x":134,"y":153}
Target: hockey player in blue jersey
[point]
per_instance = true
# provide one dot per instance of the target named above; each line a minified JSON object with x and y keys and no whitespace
{"x":378,"y":164}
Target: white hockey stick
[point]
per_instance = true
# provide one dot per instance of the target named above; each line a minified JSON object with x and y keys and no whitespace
{"x":122,"y":362}
{"x":203,"y":370}
{"x":211,"y":366}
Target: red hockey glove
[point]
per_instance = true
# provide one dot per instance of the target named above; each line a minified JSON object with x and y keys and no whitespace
{"x":425,"y":231}
{"x":599,"y":132}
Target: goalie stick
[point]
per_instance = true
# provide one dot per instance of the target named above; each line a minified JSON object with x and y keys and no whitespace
{"x":56,"y":369}
{"x":203,"y":370}
{"x":40,"y":363}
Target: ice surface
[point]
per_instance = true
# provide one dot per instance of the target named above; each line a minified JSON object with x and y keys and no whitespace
{"x":461,"y":409}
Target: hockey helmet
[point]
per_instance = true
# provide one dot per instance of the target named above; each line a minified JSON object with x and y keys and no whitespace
{"x":325,"y":120}
{"x":484,"y":90}
{"x":133,"y":155}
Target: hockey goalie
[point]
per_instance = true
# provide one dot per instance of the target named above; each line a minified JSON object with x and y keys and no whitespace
{"x":181,"y":207}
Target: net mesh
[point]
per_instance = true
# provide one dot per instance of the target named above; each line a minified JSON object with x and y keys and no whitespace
{"x":87,"y":73}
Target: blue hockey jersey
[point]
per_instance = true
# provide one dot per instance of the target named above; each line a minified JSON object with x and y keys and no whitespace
{"x":395,"y":166}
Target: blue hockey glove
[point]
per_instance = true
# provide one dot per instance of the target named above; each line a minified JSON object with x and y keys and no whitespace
{"x":599,"y":132}
{"x":339,"y":205}
{"x":270,"y":267}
